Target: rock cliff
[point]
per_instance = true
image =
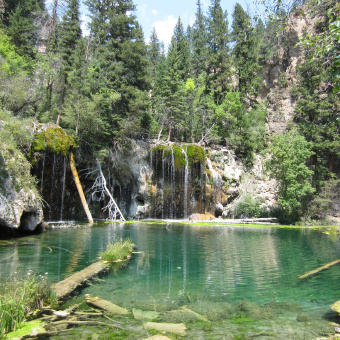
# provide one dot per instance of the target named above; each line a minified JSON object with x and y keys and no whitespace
{"x":20,"y":203}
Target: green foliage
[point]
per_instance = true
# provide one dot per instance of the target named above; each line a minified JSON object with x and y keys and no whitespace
{"x":322,"y":203}
{"x":14,"y":139}
{"x":117,"y":251}
{"x":22,"y":296}
{"x":246,"y":53}
{"x":248,"y":207}
{"x":289,"y":154}
{"x":55,"y":139}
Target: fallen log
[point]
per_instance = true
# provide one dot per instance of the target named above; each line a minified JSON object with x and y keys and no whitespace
{"x":70,"y":284}
{"x":315,"y":271}
{"x":87,"y":323}
{"x":176,"y":328}
{"x":106,"y":305}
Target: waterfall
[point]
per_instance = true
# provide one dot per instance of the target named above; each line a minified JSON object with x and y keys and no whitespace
{"x":63,"y":190}
{"x":163,"y":183}
{"x":217,"y":179}
{"x":173,"y":183}
{"x":42,"y":173}
{"x":52,"y":187}
{"x":186,"y":182}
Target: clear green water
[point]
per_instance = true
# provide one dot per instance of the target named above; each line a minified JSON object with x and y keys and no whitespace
{"x":209,"y":268}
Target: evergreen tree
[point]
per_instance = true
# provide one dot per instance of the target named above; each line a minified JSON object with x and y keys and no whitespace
{"x":219,"y":65}
{"x":180,"y":49}
{"x":199,"y":42}
{"x":20,"y":19}
{"x":154,"y":54}
{"x":70,"y":34}
{"x":316,"y":113}
{"x":120,"y":64}
{"x":245,"y":53}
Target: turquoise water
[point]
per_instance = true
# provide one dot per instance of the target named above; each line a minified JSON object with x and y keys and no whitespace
{"x":198,"y":266}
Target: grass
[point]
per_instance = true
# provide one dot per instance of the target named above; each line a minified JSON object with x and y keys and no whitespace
{"x":21,"y":297}
{"x":117,"y":251}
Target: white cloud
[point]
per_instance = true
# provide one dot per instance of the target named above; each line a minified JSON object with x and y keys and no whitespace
{"x":84,"y":25}
{"x":154,"y":11}
{"x":165,"y":29}
{"x":142,"y":10}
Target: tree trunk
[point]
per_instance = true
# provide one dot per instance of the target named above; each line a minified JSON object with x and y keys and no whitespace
{"x":79,"y":187}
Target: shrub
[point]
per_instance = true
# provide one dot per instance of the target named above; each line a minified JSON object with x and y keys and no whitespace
{"x":248,"y":207}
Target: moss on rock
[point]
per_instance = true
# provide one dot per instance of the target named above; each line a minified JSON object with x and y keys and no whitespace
{"x":55,"y":139}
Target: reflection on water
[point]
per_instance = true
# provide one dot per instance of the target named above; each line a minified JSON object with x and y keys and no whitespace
{"x":181,"y":264}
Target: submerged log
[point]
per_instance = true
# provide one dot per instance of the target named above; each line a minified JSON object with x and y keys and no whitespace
{"x":79,"y":188}
{"x":67,"y":286}
{"x":315,"y":271}
{"x":106,"y":305}
{"x":336,"y":306}
{"x":176,"y":328}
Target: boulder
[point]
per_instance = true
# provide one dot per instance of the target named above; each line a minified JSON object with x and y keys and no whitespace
{"x":20,"y":210}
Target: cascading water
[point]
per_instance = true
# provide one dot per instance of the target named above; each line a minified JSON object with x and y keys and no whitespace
{"x":186,"y":182}
{"x":63,"y":190}
{"x":172,"y":183}
{"x":42,"y":173}
{"x":217,"y":180}
{"x":52,"y":187}
{"x":176,"y":185}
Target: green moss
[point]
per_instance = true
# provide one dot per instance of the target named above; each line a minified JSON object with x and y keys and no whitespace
{"x":35,"y":326}
{"x":55,"y":139}
{"x":195,"y":154}
{"x":158,"y":148}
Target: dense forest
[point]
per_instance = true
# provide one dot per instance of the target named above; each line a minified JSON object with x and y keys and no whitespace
{"x":110,"y":87}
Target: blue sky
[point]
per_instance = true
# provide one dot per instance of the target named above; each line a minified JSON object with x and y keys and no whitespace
{"x":163,"y":15}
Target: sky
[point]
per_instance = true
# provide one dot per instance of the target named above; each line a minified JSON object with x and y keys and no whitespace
{"x":163,"y":15}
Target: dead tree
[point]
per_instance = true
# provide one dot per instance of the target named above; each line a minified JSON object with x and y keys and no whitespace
{"x":100,"y":187}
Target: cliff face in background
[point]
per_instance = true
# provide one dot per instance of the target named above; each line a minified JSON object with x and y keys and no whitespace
{"x":280,"y":73}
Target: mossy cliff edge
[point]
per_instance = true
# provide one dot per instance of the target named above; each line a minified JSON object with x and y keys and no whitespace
{"x":20,"y":201}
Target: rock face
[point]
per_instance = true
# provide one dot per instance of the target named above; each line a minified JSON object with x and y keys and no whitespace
{"x":279,"y":73}
{"x":19,"y":210}
{"x":173,"y":181}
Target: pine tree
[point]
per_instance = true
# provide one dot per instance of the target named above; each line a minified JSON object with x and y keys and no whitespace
{"x":245,"y":53}
{"x":316,"y":113}
{"x":199,"y":42}
{"x":120,"y":64}
{"x":70,"y":34}
{"x":219,"y":66}
{"x":20,"y":20}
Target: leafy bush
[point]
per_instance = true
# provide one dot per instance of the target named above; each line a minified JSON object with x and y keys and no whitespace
{"x":248,"y":207}
{"x":20,"y":297}
{"x":117,"y":251}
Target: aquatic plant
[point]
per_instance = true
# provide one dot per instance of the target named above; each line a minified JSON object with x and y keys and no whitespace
{"x":20,"y":297}
{"x":117,"y":251}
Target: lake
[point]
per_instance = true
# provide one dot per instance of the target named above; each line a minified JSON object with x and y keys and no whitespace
{"x":244,"y":279}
